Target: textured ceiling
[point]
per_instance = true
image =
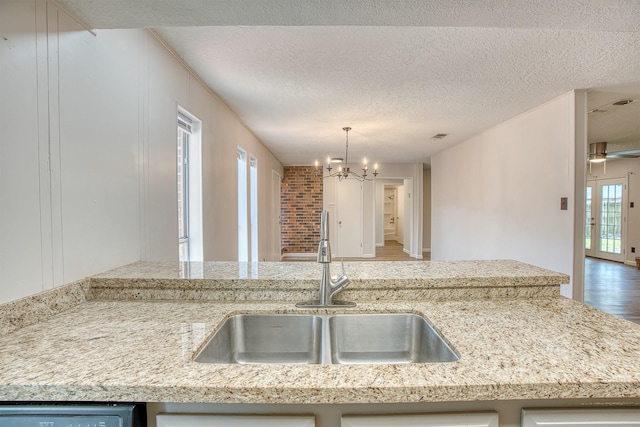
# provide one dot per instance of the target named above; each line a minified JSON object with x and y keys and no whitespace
{"x":397,"y":72}
{"x":618,"y":125}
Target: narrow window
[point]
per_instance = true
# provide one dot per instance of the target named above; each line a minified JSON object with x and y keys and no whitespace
{"x":189,"y":185}
{"x":243,"y":232}
{"x":253,"y":187}
{"x":184,"y":131}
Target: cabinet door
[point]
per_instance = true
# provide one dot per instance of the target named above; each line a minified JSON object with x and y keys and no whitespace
{"x":488,"y":419}
{"x":204,"y":420}
{"x":592,"y":417}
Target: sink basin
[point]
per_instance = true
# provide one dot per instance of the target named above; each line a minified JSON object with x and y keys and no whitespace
{"x":328,"y":339}
{"x":265,"y":338}
{"x":386,"y":338}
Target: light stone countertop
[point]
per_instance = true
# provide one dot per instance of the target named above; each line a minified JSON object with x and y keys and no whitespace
{"x":141,"y":350}
{"x":362,"y":273}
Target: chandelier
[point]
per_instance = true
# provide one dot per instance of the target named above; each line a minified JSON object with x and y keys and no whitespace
{"x":345,"y":172}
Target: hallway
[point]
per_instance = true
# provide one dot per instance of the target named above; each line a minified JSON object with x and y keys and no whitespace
{"x":612,"y":287}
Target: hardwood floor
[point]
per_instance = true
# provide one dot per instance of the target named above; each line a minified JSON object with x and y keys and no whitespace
{"x":612,"y":287}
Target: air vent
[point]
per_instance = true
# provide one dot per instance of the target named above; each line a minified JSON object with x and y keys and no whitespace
{"x":624,"y":102}
{"x":439,"y":135}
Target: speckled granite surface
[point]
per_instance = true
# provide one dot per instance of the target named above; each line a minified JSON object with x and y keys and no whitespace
{"x":295,"y":281}
{"x":511,"y":348}
{"x":27,"y":311}
{"x":142,"y":351}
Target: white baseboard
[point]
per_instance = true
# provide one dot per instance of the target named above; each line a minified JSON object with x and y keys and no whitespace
{"x":631,"y":263}
{"x":426,"y":249}
{"x":301,"y":255}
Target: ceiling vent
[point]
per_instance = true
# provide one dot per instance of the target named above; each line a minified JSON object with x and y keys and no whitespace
{"x":624,"y":102}
{"x":613,"y":106}
{"x":439,"y":135}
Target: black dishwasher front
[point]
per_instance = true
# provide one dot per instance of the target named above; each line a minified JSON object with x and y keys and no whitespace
{"x":72,"y":415}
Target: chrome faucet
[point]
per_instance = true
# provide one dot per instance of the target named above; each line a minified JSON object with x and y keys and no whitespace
{"x":328,"y":287}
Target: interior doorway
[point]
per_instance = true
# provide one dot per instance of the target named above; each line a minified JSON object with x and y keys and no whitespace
{"x":393,"y":208}
{"x":390,"y":206}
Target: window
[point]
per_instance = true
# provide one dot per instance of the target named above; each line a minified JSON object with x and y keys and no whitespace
{"x":253,"y":187}
{"x":189,"y":186}
{"x":243,"y":232}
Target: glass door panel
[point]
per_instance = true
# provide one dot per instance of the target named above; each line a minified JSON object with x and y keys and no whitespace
{"x":608,"y":210}
{"x":589,"y":245}
{"x":611,"y":218}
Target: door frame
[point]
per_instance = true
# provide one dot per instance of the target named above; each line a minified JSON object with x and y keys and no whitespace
{"x":596,"y":213}
{"x":408,"y":220}
{"x":592,"y":219}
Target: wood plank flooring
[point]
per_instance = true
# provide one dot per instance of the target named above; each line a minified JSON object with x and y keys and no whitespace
{"x":613,"y":288}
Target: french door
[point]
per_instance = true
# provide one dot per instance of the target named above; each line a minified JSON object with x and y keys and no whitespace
{"x":606,"y":221}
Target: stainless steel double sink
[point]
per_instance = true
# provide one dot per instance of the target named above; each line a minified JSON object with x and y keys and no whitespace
{"x":328,"y":339}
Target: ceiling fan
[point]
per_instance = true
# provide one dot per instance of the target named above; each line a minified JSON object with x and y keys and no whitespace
{"x":598,"y":153}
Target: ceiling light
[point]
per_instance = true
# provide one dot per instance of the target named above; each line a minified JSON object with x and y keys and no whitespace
{"x":343,"y":171}
{"x":597,"y":154}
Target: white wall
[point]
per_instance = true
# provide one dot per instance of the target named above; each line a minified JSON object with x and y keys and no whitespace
{"x":497,"y":195}
{"x":88,"y":152}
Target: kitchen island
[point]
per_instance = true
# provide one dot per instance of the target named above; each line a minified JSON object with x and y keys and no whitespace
{"x":133,"y":335}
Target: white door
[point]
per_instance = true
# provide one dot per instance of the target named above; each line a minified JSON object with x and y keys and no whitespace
{"x":348,"y":221}
{"x":390,"y":212}
{"x":400,"y":215}
{"x":276,"y":213}
{"x":608,"y":206}
{"x":590,"y":224}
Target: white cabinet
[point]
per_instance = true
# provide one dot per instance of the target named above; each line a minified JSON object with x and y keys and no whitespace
{"x":591,"y":417}
{"x":205,"y":420}
{"x":481,"y":419}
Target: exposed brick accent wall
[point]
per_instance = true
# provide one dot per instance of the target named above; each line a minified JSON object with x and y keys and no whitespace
{"x":301,"y":209}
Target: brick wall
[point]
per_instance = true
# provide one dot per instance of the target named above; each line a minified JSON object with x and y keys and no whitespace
{"x":301,"y":209}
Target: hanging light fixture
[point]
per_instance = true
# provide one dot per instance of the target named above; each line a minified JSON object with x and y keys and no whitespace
{"x":344,"y":171}
{"x":597,"y":154}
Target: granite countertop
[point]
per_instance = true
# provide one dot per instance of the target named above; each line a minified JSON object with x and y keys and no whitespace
{"x":524,"y":347}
